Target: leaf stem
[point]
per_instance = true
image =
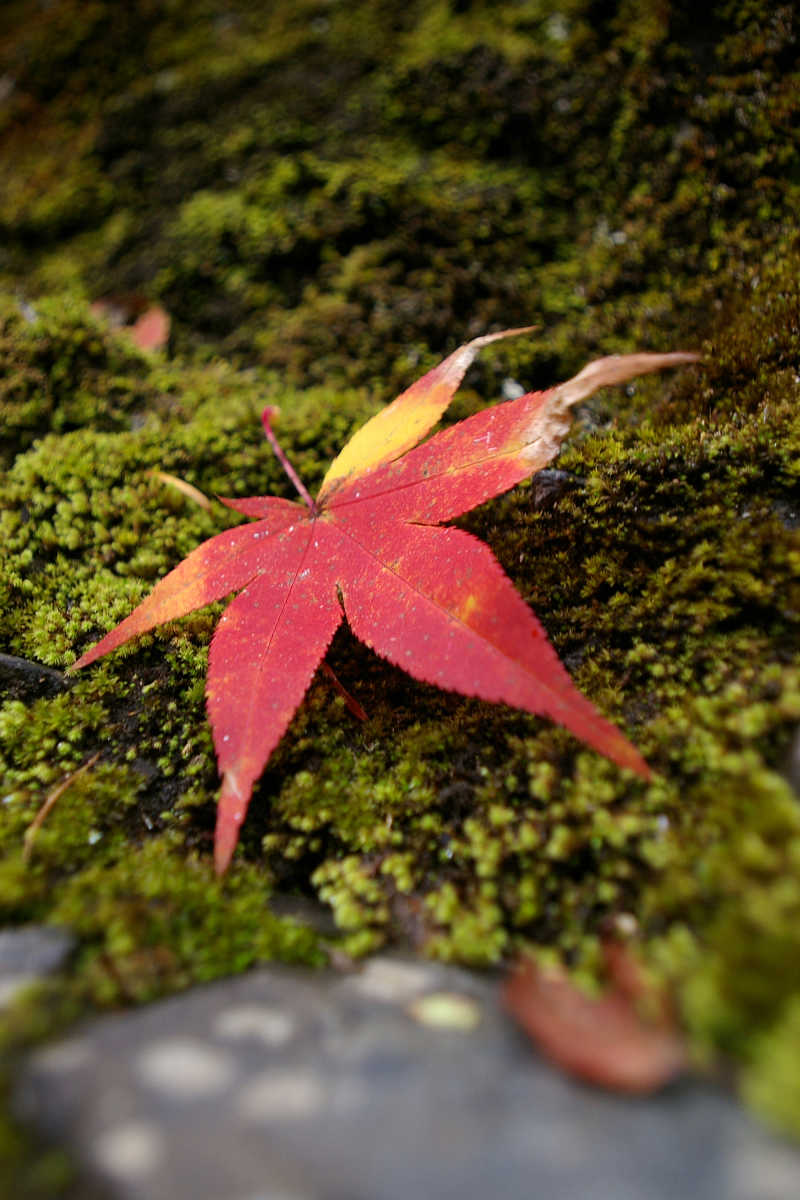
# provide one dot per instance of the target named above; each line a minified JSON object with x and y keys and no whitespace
{"x":268,"y":412}
{"x":351,"y":702}
{"x":30,"y":833}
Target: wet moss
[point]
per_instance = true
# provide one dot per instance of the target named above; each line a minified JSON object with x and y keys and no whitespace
{"x":323,"y":214}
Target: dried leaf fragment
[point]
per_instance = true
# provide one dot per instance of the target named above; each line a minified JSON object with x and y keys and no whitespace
{"x":604,"y":1039}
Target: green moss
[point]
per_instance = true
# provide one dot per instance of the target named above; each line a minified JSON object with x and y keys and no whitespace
{"x":161,"y":923}
{"x":769,"y":1081}
{"x":60,"y":371}
{"x":326,"y":201}
{"x":332,"y":203}
{"x":31,"y":1170}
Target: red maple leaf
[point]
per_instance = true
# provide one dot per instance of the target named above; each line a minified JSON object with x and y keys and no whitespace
{"x":371,"y":548}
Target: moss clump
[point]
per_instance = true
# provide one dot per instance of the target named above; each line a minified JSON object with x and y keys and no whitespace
{"x":769,"y":1080}
{"x":150,"y":919}
{"x":59,"y":371}
{"x":326,"y":201}
{"x":162,"y":923}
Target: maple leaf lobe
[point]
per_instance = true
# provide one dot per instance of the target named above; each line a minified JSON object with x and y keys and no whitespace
{"x":407,"y":419}
{"x":263,"y":655}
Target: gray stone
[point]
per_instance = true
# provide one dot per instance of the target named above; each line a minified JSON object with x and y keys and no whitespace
{"x":21,"y":679}
{"x":27,"y":955}
{"x":404,"y":1079}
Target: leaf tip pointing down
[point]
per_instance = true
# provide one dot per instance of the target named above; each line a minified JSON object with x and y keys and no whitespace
{"x":625,"y":754}
{"x":231,"y":809}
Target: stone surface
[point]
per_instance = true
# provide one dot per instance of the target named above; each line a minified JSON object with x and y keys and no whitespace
{"x":26,"y":955}
{"x":21,"y":679}
{"x":289,"y":1085}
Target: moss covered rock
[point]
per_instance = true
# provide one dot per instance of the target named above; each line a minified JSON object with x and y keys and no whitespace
{"x":326,"y":198}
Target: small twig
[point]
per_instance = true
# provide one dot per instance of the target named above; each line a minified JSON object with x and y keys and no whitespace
{"x":351,"y":702}
{"x":268,"y":412}
{"x":113,"y":971}
{"x":188,"y":489}
{"x":56,"y":794}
